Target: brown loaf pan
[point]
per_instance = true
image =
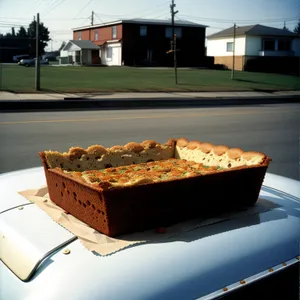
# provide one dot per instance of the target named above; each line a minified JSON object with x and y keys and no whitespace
{"x":143,"y":207}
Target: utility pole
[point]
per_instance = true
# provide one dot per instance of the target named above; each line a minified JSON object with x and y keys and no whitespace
{"x":37,"y":61}
{"x":92,"y":23}
{"x":175,"y":57}
{"x":233,"y":52}
{"x":173,"y":13}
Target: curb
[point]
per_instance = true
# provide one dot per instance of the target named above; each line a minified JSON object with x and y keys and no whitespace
{"x":139,"y":103}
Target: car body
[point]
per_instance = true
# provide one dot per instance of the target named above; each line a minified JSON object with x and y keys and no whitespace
{"x":218,"y":260}
{"x":18,"y":58}
{"x":31,"y":62}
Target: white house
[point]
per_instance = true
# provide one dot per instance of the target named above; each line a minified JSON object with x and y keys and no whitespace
{"x":81,"y":52}
{"x":251,"y":41}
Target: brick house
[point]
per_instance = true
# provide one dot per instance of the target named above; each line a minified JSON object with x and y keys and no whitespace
{"x":257,"y":48}
{"x":138,"y":42}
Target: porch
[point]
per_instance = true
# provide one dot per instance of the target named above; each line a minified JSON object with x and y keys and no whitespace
{"x":81,"y":52}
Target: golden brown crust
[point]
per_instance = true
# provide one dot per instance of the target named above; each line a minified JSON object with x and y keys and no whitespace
{"x":134,"y":147}
{"x":220,"y":150}
{"x":116,"y":148}
{"x":76,"y":152}
{"x":170,"y":143}
{"x":235,"y":153}
{"x":96,"y":149}
{"x":182,"y":142}
{"x":250,"y":154}
{"x":193,"y":145}
{"x":206,"y":147}
{"x":220,"y":155}
{"x":98,"y":157}
{"x":149,"y":144}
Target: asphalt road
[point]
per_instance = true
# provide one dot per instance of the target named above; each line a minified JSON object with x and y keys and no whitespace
{"x":272,"y":129}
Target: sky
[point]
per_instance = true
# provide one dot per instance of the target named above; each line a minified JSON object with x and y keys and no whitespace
{"x":60,"y":16}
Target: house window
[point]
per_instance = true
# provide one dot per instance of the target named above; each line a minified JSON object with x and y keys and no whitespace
{"x":284,"y":45}
{"x":114,"y":32}
{"x":79,"y":35}
{"x":177,"y":31}
{"x":96,"y":35}
{"x":269,"y":45}
{"x":229,"y":46}
{"x":109,"y":53}
{"x":143,"y":30}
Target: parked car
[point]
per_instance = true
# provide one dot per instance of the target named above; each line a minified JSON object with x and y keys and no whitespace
{"x":246,"y":257}
{"x":18,"y":58}
{"x":31,"y":62}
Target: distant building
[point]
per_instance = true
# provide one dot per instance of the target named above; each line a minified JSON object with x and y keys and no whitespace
{"x":264,"y":44}
{"x":138,"y":42}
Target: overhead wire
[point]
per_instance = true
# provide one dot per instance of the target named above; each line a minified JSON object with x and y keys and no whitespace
{"x":83,"y":8}
{"x":215,"y":20}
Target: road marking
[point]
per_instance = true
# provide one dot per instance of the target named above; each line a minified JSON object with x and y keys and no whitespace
{"x":168,"y":116}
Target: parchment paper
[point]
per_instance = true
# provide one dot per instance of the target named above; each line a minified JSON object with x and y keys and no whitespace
{"x":104,"y":245}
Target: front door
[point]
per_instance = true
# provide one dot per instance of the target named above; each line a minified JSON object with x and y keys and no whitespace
{"x":116,"y":52}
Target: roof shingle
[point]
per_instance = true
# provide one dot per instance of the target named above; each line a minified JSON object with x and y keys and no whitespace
{"x":141,"y":21}
{"x":84,"y":44}
{"x":260,"y":30}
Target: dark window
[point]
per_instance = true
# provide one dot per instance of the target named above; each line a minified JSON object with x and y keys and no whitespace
{"x":269,"y":45}
{"x":143,"y":30}
{"x":229,"y":47}
{"x":284,"y":45}
{"x":109,"y":53}
{"x":177,"y":31}
{"x":114,"y":32}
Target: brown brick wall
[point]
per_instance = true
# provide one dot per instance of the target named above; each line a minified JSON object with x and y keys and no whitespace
{"x":228,"y":61}
{"x":104,"y":34}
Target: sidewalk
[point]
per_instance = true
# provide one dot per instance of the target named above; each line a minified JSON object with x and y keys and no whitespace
{"x":80,"y":101}
{"x":5,"y":96}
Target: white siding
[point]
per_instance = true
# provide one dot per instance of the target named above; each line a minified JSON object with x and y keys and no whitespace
{"x":296,"y":46}
{"x":218,"y":47}
{"x":114,"y":57}
{"x":253,"y":45}
{"x":71,"y":47}
{"x":64,"y":53}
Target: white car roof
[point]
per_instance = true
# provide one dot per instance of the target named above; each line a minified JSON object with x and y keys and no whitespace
{"x":197,"y":264}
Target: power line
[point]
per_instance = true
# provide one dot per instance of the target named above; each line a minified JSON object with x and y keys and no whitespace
{"x":58,"y":3}
{"x":82,"y":9}
{"x":96,"y":15}
{"x":136,"y":12}
{"x":34,"y":6}
{"x":48,"y":19}
{"x":214,"y":20}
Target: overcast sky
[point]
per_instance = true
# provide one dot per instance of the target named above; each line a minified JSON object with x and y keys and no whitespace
{"x":60,"y":16}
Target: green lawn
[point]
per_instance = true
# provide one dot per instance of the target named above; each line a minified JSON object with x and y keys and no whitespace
{"x":125,"y":79}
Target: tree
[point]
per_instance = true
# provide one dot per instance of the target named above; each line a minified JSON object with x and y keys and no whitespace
{"x":63,"y":44}
{"x":22,"y":32}
{"x":297,"y":28}
{"x":13,"y":33}
{"x":43,"y":36}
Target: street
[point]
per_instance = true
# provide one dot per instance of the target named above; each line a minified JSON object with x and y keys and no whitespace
{"x":272,"y":129}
